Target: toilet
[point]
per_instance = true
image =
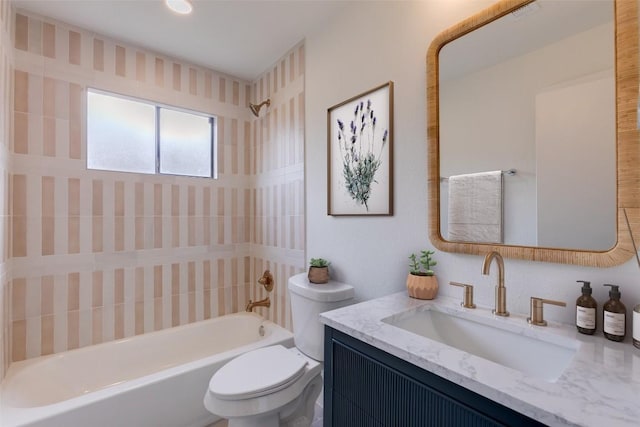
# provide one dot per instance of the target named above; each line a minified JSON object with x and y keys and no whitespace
{"x":277,"y":386}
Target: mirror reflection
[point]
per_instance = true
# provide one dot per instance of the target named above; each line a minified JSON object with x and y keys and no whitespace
{"x":527,"y":110}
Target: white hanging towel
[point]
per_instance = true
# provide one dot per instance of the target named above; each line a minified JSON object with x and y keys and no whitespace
{"x":475,"y":207}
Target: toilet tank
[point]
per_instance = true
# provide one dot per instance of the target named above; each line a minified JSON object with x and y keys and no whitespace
{"x":308,"y":300}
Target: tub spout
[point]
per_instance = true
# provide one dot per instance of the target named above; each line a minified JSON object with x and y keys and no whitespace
{"x":262,"y":303}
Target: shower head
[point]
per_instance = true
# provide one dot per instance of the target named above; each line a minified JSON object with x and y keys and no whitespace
{"x":255,"y":108}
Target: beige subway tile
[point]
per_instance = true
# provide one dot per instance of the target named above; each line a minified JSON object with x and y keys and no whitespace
{"x":49,"y":97}
{"x":158,"y":308}
{"x":21,"y":32}
{"x":191,"y":276}
{"x":98,"y":54}
{"x":220,"y":282}
{"x":46,"y":295}
{"x":18,"y":340}
{"x":96,"y":199}
{"x":175,"y":200}
{"x":21,"y":133}
{"x":207,"y":303}
{"x":139,"y":318}
{"x":206,"y":274}
{"x":139,"y":290}
{"x":46,"y":335}
{"x":18,"y":299}
{"x":21,"y":91}
{"x":121,"y":61}
{"x":175,"y":232}
{"x":97,"y":297}
{"x":157,"y":232}
{"x":175,"y":279}
{"x":19,"y":206}
{"x":221,"y":233}
{"x":49,"y":40}
{"x":97,"y":219}
{"x":118,"y":288}
{"x":175,"y":310}
{"x":208,"y":84}
{"x":292,"y":67}
{"x":177,"y":76}
{"x":159,"y":71}
{"x":73,"y":291}
{"x":157,"y":281}
{"x":49,"y":136}
{"x":222,"y":89}
{"x":157,"y":199}
{"x":191,"y":307}
{"x":75,"y":51}
{"x":119,"y":321}
{"x":73,"y":329}
{"x":247,"y":143}
{"x":221,"y":305}
{"x":236,"y":93}
{"x":97,"y":325}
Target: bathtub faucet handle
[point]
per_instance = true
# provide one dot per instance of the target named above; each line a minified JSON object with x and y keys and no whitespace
{"x":266,"y":280}
{"x":262,"y":303}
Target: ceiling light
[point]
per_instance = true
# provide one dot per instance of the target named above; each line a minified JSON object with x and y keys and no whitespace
{"x":183,"y":7}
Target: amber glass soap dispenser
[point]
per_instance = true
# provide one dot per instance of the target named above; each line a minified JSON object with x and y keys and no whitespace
{"x":614,"y":313}
{"x":586,"y":307}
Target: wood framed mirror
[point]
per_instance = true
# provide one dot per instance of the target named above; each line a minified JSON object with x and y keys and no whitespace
{"x":445,"y":117}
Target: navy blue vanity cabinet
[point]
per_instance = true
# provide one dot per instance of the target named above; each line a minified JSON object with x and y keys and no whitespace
{"x":367,"y":387}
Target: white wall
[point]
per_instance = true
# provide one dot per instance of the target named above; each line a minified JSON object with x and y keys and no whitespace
{"x":368,"y":44}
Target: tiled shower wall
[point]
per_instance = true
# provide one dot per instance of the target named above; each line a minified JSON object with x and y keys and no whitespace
{"x":278,"y":242}
{"x":6,"y":103}
{"x":98,"y":256}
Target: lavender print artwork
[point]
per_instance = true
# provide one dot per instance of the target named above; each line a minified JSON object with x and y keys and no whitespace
{"x":361,"y":152}
{"x":359,"y":142}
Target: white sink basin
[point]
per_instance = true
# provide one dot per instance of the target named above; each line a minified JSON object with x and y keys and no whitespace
{"x":489,"y":339}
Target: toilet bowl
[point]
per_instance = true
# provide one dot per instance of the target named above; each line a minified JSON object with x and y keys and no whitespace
{"x":276,"y":386}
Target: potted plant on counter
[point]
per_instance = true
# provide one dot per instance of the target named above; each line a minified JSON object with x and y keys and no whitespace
{"x":318,"y":270}
{"x":421,"y":281}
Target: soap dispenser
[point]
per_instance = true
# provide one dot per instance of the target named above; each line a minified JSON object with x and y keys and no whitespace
{"x":614,"y":315}
{"x":586,"y":307}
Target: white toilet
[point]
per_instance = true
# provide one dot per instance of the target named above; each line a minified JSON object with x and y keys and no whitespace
{"x":275,"y":386}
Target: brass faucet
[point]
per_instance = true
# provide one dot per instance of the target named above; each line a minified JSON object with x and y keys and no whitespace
{"x":501,"y":292}
{"x":536,"y":316}
{"x":262,"y":303}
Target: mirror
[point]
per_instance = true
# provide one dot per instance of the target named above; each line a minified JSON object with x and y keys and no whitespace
{"x":526,"y":88}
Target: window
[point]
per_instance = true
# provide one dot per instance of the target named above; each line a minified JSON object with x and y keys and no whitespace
{"x":129,"y":135}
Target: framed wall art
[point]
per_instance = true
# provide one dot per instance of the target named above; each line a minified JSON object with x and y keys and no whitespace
{"x":360,"y":154}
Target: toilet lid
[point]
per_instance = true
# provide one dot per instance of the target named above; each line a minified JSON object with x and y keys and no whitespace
{"x":256,"y":373}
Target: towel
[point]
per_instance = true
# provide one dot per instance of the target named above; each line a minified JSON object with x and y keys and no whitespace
{"x":475,"y":207}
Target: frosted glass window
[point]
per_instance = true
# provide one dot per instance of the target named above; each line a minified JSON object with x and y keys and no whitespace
{"x":127,"y":135}
{"x":121,"y":134}
{"x":185,"y":143}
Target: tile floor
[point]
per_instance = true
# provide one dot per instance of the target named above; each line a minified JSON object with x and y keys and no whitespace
{"x":317,"y":418}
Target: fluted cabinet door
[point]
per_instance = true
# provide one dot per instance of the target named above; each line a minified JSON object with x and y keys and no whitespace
{"x":365,"y":386}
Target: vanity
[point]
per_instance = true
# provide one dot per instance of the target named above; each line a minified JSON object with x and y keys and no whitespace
{"x":398,"y":361}
{"x":386,"y":365}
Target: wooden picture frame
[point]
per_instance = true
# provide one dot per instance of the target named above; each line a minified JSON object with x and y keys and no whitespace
{"x":360,"y":154}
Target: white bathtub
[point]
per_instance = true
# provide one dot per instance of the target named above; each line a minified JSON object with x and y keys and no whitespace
{"x":152,"y":380}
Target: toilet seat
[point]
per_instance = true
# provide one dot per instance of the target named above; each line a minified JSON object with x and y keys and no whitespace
{"x":257,"y":373}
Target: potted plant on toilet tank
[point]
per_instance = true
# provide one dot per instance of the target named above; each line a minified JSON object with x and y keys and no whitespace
{"x":421,"y":281}
{"x":318,"y":270}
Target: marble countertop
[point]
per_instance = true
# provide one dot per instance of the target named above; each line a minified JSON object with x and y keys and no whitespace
{"x":600,"y":386}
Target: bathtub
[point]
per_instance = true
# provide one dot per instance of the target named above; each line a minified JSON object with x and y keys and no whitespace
{"x":152,"y":380}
